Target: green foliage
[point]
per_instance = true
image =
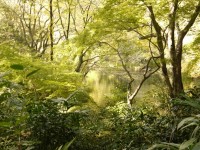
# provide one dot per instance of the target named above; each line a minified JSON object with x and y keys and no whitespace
{"x":13,"y":115}
{"x":189,"y":124}
{"x":27,"y":119}
{"x":119,"y":92}
{"x":48,"y":126}
{"x":33,"y":123}
{"x":67,"y":145}
{"x":17,"y":67}
{"x":46,"y":105}
{"x":118,"y":127}
{"x":46,"y":78}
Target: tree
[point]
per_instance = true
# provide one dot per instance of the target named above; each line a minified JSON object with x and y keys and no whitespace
{"x":161,"y":29}
{"x":63,"y":20}
{"x":82,"y":15}
{"x":33,"y":28}
{"x":30,"y":26}
{"x":176,"y":45}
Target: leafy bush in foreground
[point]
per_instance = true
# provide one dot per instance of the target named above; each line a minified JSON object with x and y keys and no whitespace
{"x":190,"y":124}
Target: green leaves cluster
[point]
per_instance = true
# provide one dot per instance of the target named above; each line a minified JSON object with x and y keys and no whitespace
{"x":27,"y":118}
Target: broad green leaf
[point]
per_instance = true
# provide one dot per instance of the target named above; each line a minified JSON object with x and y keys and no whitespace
{"x":17,"y":67}
{"x":172,"y":144}
{"x":32,"y":72}
{"x":190,"y":124}
{"x":67,"y":145}
{"x":59,"y":148}
{"x":191,"y":103}
{"x":27,"y":143}
{"x":157,"y":146}
{"x":59,"y":100}
{"x":189,"y":119}
{"x":74,"y":109}
{"x":5,"y":124}
{"x":165,"y":145}
{"x":195,"y":131}
{"x":197,"y":146}
{"x":186,"y":144}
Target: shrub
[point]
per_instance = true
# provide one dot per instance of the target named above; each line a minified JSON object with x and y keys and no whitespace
{"x":48,"y":126}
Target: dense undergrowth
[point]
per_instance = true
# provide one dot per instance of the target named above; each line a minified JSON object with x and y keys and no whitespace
{"x":44,"y":105}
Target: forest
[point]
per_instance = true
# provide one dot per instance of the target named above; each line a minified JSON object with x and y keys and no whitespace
{"x":99,"y":75}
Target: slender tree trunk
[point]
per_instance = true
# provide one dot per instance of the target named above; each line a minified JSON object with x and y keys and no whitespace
{"x":172,"y":47}
{"x":51,"y":30}
{"x":69,"y":21}
{"x":161,"y":50}
{"x":61,"y":21}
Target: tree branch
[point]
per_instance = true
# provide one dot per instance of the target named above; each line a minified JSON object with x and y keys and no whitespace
{"x":161,"y":48}
{"x":192,"y":19}
{"x":121,"y":60}
{"x":172,"y":19}
{"x":146,"y":75}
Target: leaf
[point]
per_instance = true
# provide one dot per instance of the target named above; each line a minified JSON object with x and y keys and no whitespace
{"x":74,"y":109}
{"x":172,"y":144}
{"x":27,"y":143}
{"x":164,"y":145}
{"x":5,"y":124}
{"x":186,"y":144}
{"x":59,"y":100}
{"x":17,"y":67}
{"x":30,"y":148}
{"x":32,"y":72}
{"x":189,"y":119}
{"x":157,"y":146}
{"x":191,"y":103}
{"x":59,"y":148}
{"x":197,"y":146}
{"x":194,"y":133}
{"x":67,"y":145}
{"x":190,"y":124}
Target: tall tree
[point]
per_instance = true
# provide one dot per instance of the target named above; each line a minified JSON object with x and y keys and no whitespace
{"x":175,"y":45}
{"x":167,"y":24}
{"x":82,"y":16}
{"x":30,"y":24}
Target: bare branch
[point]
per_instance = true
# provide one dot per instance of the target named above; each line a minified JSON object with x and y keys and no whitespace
{"x":147,"y":38}
{"x":74,"y":21}
{"x":146,"y":75}
{"x":121,"y":60}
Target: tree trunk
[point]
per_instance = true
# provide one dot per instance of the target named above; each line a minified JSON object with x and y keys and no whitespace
{"x":51,"y":30}
{"x":176,"y":56}
{"x":80,"y":62}
{"x":161,"y":50}
{"x":177,"y":85}
{"x":177,"y":73}
{"x":176,"y":48}
{"x":69,"y":21}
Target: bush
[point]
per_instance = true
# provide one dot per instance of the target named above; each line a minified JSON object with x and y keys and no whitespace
{"x":48,"y":126}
